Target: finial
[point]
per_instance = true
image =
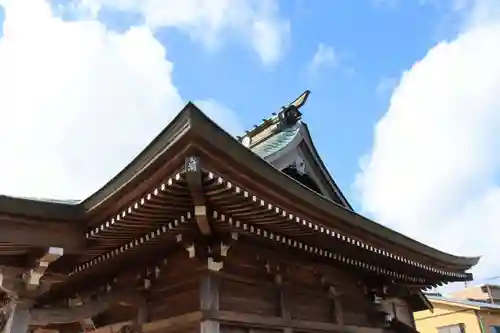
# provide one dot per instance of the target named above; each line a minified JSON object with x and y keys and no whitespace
{"x":290,"y":115}
{"x":301,"y":100}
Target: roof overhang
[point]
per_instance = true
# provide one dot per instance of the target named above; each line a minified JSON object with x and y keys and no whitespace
{"x":193,"y":132}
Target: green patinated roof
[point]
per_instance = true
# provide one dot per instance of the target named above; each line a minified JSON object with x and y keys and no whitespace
{"x":276,"y":142}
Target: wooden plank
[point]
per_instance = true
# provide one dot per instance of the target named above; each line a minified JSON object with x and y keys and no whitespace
{"x":251,"y":320}
{"x":42,"y":234}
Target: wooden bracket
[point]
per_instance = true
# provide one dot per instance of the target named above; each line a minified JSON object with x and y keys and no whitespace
{"x":33,"y":276}
{"x":272,"y":268}
{"x":187,"y":244}
{"x":213,"y":265}
{"x":213,"y":252}
{"x":194,"y":178}
{"x":218,"y":252}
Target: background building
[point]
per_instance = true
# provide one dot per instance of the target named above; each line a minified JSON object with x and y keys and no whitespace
{"x":483,"y":293}
{"x":458,"y":316}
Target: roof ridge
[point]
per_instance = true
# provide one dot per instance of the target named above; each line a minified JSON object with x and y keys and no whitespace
{"x":277,"y":122}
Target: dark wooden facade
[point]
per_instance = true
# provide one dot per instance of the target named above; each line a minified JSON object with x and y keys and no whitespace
{"x":199,"y":233}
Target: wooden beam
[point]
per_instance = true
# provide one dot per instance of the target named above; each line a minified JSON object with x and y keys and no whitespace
{"x":253,"y":320}
{"x":172,"y":324}
{"x":81,"y":312}
{"x":194,"y":179}
{"x":46,"y":234}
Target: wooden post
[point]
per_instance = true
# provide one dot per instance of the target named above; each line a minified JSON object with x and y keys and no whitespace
{"x":337,"y":305}
{"x":19,"y":319}
{"x":209,"y":302}
{"x":141,"y":317}
{"x":284,"y":310}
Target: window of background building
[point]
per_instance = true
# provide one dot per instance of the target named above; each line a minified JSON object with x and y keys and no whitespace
{"x":495,"y":329}
{"x":459,"y":328}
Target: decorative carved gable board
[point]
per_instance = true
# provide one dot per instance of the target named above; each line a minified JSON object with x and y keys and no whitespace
{"x":292,"y":151}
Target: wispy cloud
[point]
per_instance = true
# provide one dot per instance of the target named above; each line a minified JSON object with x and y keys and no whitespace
{"x":324,"y":57}
{"x":385,"y":3}
{"x":257,"y":23}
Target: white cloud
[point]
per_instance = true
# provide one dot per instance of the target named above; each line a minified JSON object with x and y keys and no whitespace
{"x":223,"y":116}
{"x":324,"y":57}
{"x":78,"y":101}
{"x":386,"y":85}
{"x":256,"y":22}
{"x":433,"y":172}
{"x":478,"y":12}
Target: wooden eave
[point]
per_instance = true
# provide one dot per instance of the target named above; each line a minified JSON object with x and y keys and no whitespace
{"x":192,"y":132}
{"x":149,"y":226}
{"x":230,"y":157}
{"x":152,"y":223}
{"x":419,"y":302}
{"x":40,"y":209}
{"x":321,"y":166}
{"x":249,"y":213}
{"x":28,"y":226}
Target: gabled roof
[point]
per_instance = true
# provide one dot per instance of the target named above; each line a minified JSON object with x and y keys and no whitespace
{"x":463,"y":303}
{"x":281,"y":137}
{"x":191,"y":129}
{"x":276,"y":142}
{"x":296,"y":140}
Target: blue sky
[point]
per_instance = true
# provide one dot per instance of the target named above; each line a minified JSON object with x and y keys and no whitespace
{"x":372,"y":42}
{"x":404,"y":104}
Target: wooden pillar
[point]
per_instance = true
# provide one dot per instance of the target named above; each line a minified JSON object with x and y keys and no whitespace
{"x":19,"y":319}
{"x":141,"y":316}
{"x":209,"y":326}
{"x":336,"y":305}
{"x":209,"y":302}
{"x":283,"y":302}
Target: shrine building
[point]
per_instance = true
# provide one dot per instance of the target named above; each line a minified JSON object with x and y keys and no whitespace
{"x":204,"y":232}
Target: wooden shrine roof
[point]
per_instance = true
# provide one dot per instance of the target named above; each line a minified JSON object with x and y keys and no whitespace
{"x":150,"y":199}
